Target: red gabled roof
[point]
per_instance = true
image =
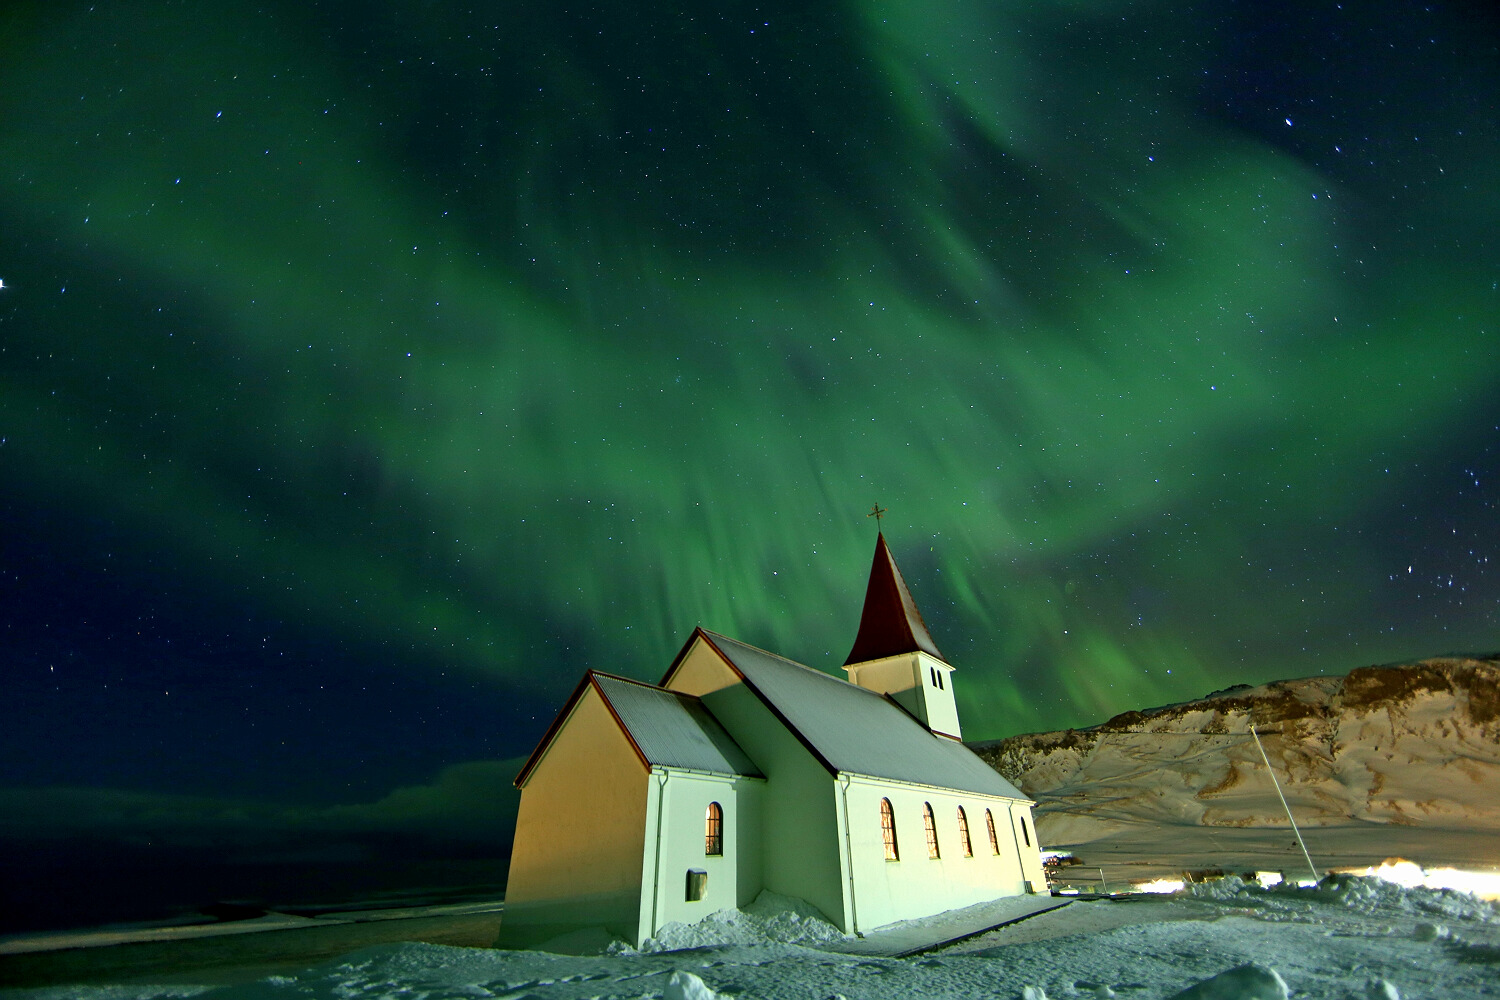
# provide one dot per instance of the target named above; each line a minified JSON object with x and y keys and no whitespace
{"x":890,"y":624}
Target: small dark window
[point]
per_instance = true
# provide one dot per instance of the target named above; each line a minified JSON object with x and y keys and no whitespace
{"x":963,"y":833}
{"x":989,"y":820}
{"x":697,"y":884}
{"x":888,"y":830}
{"x":940,"y":682}
{"x":931,"y":824}
{"x":1025,"y":833}
{"x":713,"y":839}
{"x":932,"y":675}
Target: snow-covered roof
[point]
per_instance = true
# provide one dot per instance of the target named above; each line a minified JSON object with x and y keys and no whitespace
{"x":853,"y":729}
{"x":666,"y":728}
{"x":672,"y":729}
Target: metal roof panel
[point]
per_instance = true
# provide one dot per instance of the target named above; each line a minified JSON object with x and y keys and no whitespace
{"x":856,"y":730}
{"x":673,"y":729}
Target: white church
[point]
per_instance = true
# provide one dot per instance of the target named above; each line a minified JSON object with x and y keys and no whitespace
{"x":742,"y":770}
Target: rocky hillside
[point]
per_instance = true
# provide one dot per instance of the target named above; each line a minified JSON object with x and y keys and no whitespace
{"x":1412,"y":744}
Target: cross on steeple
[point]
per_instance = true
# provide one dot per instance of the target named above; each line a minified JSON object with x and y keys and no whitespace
{"x":876,"y":512}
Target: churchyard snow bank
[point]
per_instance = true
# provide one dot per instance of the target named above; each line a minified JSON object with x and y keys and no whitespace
{"x":1361,"y":894}
{"x":771,"y":919}
{"x":1348,"y":938}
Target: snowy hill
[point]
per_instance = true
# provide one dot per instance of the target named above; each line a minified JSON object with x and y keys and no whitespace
{"x":1375,"y":762}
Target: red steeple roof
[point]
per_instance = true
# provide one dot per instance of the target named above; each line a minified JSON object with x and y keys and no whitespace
{"x":890,"y":624}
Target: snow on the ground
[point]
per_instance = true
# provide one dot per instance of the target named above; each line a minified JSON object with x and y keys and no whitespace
{"x":1368,"y":896}
{"x":1349,"y":938}
{"x":771,"y":919}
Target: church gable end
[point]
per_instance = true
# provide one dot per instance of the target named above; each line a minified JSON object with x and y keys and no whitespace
{"x":700,"y":669}
{"x":581,"y":827}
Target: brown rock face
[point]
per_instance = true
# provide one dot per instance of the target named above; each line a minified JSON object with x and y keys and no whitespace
{"x":1409,"y":744}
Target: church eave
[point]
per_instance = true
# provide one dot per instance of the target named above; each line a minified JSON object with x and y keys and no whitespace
{"x":561,"y":720}
{"x":949,"y":789}
{"x":547,"y":737}
{"x":613,"y":714}
{"x":699,"y":771}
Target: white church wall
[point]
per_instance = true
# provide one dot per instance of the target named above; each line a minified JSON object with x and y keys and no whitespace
{"x":916,"y":885}
{"x":942,"y":707}
{"x":580,"y":833}
{"x":1023,"y":832}
{"x":676,"y":818}
{"x":799,"y":829}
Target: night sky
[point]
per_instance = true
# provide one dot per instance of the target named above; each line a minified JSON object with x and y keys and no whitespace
{"x":368,"y":371}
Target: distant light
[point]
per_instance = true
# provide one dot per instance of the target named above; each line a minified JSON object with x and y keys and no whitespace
{"x":1287,"y":120}
{"x":1161,"y":885}
{"x":1410,"y":875}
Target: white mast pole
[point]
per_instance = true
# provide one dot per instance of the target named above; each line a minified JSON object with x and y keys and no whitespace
{"x":1288,"y":808}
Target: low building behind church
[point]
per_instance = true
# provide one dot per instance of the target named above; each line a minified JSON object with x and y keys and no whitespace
{"x":742,"y":771}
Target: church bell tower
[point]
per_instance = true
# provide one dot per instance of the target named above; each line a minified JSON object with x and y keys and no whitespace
{"x":894,"y":654}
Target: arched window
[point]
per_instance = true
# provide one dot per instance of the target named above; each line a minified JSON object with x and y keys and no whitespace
{"x":931,"y":824}
{"x":713,"y":839}
{"x":1025,"y":833}
{"x":888,"y":830}
{"x":989,"y":820}
{"x":963,"y":833}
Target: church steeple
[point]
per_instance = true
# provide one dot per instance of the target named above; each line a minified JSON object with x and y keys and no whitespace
{"x":894,"y":654}
{"x":890,"y":624}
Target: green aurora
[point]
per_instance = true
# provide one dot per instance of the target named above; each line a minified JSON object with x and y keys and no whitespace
{"x":522,"y":339}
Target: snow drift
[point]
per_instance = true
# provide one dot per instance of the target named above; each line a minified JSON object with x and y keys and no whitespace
{"x":1347,"y":939}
